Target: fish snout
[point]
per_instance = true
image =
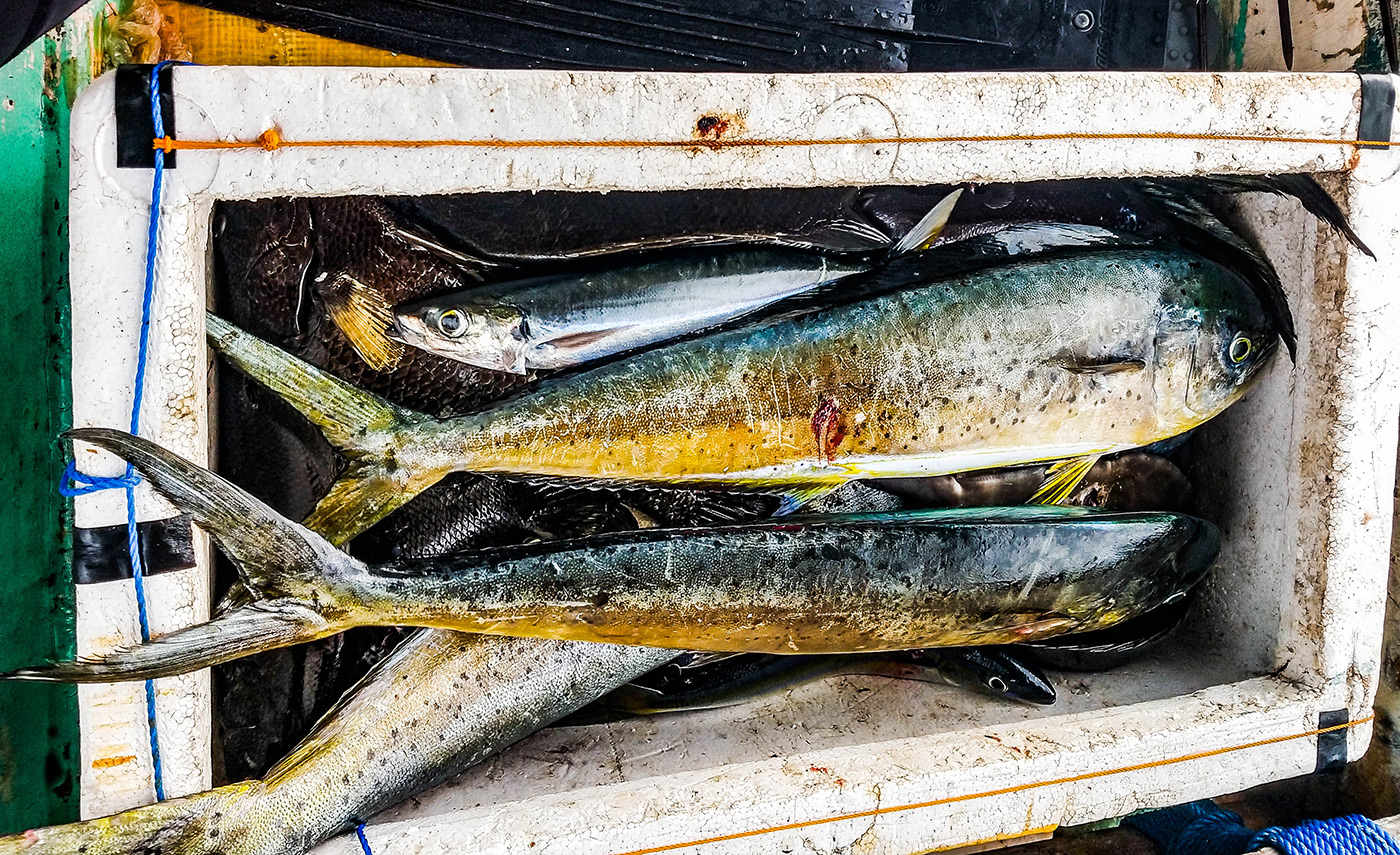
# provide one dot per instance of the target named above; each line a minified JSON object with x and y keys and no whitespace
{"x":1197,"y":553}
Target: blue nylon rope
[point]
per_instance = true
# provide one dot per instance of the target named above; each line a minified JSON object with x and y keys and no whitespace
{"x":76,"y":483}
{"x":1345,"y":835}
{"x":1203,"y":828}
{"x":364,"y":844}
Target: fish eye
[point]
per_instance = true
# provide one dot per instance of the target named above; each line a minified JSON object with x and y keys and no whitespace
{"x":996,"y":684}
{"x":1240,"y":349}
{"x":450,"y":323}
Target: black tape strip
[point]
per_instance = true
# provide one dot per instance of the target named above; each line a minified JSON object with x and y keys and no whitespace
{"x":135,"y":130}
{"x":1377,"y":109}
{"x":100,"y":554}
{"x":1332,"y":745}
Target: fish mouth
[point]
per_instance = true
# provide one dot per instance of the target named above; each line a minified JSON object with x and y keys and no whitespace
{"x":1194,"y":558}
{"x":395,"y":332}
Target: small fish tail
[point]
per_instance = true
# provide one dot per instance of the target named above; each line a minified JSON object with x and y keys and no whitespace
{"x":284,"y":567}
{"x":367,"y":429}
{"x":189,"y":825}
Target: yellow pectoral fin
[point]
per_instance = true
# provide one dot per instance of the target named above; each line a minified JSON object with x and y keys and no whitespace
{"x":363,"y":315}
{"x":795,"y":497}
{"x":1061,"y":479}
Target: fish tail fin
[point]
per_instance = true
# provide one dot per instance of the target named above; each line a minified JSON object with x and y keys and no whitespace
{"x":363,"y":315}
{"x":189,"y":825}
{"x":242,"y":632}
{"x":349,"y":417}
{"x":927,"y":230}
{"x":284,"y":567}
{"x":275,"y":557}
{"x":1314,"y":198}
{"x":367,"y":429}
{"x":365,"y":493}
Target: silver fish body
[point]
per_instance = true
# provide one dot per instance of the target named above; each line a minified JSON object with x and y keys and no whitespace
{"x":564,"y":320}
{"x":681,"y":686}
{"x":554,"y":322}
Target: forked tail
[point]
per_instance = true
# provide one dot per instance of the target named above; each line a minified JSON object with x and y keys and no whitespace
{"x":364,"y":427}
{"x":182,"y":826}
{"x":288,"y":570}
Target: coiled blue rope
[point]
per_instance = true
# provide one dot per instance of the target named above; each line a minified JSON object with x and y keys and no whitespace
{"x":76,"y":483}
{"x":1203,"y":828}
{"x":364,"y":844}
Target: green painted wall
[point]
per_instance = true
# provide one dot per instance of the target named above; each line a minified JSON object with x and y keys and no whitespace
{"x":38,"y":723}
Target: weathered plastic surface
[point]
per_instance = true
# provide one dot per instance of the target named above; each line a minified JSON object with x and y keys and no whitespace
{"x":1305,"y":505}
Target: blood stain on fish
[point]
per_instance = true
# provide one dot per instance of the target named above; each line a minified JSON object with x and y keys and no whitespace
{"x":828,"y":428}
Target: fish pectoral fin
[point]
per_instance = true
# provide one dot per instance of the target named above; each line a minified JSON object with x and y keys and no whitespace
{"x":363,"y":315}
{"x":1061,"y":479}
{"x":797,"y":496}
{"x":576,"y":340}
{"x":927,"y":230}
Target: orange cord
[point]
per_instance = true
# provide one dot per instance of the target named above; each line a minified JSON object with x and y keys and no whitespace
{"x":1070,"y":779}
{"x":272,"y":140}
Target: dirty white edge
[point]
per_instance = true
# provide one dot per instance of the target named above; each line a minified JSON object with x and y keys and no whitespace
{"x":1349,"y":415}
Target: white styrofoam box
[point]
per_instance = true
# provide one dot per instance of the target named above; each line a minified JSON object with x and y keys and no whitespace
{"x":1299,"y":475}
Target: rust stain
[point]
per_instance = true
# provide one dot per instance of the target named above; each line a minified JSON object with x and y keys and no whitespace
{"x":109,"y":762}
{"x":715,"y":129}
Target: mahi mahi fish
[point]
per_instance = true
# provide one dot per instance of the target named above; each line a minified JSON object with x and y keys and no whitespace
{"x":819,"y":584}
{"x":450,"y":700}
{"x":1049,"y":359}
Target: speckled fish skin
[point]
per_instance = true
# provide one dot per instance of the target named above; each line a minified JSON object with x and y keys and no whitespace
{"x":456,"y":699}
{"x":1018,"y":364}
{"x":1025,"y":363}
{"x":808,"y":585}
{"x":826,"y":584}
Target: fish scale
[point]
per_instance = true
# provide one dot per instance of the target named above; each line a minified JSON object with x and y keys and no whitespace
{"x":689,"y":413}
{"x":1003,"y":366}
{"x":821,"y":584}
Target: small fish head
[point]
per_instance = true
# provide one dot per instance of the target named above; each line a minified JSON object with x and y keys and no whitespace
{"x":493,"y":336}
{"x":1210,"y":348}
{"x":997,"y":671}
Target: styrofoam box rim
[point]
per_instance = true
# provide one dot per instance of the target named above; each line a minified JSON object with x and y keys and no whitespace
{"x":1336,"y":660}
